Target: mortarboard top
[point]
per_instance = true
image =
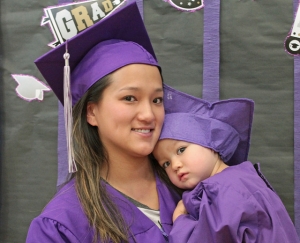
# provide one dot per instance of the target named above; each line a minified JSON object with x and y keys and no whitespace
{"x":115,"y":41}
{"x":224,"y":126}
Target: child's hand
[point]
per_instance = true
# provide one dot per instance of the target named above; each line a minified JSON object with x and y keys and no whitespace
{"x":180,"y":209}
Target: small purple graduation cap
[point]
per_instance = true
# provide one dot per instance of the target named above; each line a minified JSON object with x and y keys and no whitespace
{"x":117,"y":40}
{"x":223,"y":126}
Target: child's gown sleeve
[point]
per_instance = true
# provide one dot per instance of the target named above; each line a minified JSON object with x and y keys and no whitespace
{"x":228,"y":210}
{"x":214,"y":222}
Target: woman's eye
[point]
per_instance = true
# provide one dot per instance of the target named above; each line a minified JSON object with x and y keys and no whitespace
{"x":181,"y":150}
{"x":158,"y":100}
{"x":129,"y":98}
{"x":166,"y":164}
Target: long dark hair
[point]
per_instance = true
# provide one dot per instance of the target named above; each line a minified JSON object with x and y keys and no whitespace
{"x":90,"y":157}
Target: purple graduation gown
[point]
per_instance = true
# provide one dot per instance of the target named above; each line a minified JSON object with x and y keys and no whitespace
{"x":63,"y":219}
{"x":234,"y":206}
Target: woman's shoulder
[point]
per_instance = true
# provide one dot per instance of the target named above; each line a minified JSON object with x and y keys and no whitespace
{"x":65,"y":199}
{"x":62,"y":217}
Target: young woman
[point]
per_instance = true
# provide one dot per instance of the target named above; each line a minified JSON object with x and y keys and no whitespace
{"x":117,"y":194}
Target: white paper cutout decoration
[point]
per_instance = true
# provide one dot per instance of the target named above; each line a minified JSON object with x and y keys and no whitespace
{"x":29,"y":88}
{"x":187,"y":5}
{"x":292,"y":42}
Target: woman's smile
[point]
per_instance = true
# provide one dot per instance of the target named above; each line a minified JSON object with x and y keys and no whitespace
{"x":142,"y":130}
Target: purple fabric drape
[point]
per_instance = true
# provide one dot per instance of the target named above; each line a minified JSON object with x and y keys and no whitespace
{"x":297,"y":136}
{"x":297,"y":143}
{"x":62,"y":155}
{"x":211,"y":51}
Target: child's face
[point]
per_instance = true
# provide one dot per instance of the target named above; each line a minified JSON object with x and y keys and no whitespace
{"x":185,"y":163}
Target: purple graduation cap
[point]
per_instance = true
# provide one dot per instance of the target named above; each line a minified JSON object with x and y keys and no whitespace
{"x":224,"y":126}
{"x":117,"y":40}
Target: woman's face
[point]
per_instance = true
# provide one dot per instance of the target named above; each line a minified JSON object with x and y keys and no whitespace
{"x":130,"y":114}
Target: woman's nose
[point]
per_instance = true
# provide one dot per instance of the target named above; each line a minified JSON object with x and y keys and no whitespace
{"x":146,"y":112}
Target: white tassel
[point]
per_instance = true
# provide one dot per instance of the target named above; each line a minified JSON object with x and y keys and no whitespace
{"x":68,"y":113}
